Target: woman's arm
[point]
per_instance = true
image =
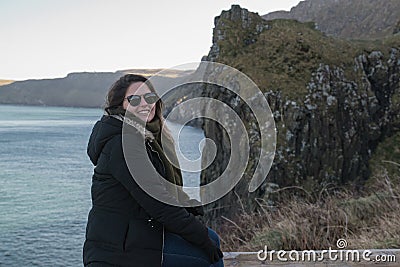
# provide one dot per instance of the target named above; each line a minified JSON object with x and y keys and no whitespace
{"x":175,"y":219}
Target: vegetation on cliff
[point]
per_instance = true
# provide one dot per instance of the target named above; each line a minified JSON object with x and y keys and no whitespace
{"x":286,"y":52}
{"x":304,"y":222}
{"x":336,"y":107}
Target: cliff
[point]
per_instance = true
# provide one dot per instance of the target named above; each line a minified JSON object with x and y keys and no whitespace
{"x":355,"y":19}
{"x":334,"y":102}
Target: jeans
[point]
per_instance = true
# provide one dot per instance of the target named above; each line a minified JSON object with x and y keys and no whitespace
{"x":180,"y":253}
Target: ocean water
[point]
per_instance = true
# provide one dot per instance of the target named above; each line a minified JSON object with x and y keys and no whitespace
{"x":45,"y":179}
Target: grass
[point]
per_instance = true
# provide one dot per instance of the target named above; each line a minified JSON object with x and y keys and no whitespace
{"x":370,"y":220}
{"x":282,"y":59}
{"x":381,"y":160}
{"x":284,"y":56}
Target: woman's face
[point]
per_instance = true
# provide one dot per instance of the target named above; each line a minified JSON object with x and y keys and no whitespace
{"x":143,"y":111}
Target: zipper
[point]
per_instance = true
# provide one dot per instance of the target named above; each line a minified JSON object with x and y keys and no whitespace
{"x":163,"y":230}
{"x":162,"y":248}
{"x":158,"y":155}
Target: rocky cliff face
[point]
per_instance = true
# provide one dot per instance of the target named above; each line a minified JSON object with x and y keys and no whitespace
{"x":333,"y":102}
{"x":355,"y":19}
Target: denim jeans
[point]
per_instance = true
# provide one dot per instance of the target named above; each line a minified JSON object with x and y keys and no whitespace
{"x":180,"y":253}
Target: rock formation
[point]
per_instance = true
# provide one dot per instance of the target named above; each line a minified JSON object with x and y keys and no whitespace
{"x":333,"y":102}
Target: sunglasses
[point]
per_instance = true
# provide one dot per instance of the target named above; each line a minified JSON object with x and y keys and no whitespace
{"x":150,"y":98}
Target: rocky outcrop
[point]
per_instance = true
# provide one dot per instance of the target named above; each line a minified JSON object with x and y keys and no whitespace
{"x":327,"y":129}
{"x":251,"y":25}
{"x":329,"y":137}
{"x":355,"y":19}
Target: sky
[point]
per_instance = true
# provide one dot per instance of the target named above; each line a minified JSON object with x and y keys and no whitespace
{"x":51,"y":38}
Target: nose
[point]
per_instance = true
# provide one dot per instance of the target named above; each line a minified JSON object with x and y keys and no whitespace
{"x":142,"y":101}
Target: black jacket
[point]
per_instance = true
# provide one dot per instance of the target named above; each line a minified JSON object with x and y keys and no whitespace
{"x":126,"y":225}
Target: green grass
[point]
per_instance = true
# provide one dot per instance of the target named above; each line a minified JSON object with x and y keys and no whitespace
{"x":284,"y":56}
{"x":384,"y":159}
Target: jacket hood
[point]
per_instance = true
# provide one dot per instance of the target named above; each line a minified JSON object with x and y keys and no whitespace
{"x":104,"y":129}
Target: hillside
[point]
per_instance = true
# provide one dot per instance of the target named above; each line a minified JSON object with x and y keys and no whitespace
{"x":334,"y":101}
{"x":86,"y":89}
{"x":353,"y":19}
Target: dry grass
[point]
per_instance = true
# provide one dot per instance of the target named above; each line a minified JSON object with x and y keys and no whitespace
{"x":368,"y":221}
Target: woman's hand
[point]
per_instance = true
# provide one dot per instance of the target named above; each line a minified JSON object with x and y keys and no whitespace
{"x":213,"y":251}
{"x":195,"y":208}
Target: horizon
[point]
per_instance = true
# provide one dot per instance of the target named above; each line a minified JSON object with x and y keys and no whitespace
{"x":48,"y":39}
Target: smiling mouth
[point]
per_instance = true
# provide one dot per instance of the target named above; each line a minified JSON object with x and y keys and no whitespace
{"x":144,"y":112}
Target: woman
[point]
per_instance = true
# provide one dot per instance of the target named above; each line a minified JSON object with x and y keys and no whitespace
{"x":126,"y":226}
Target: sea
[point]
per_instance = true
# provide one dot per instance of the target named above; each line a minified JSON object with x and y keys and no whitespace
{"x":45,"y":179}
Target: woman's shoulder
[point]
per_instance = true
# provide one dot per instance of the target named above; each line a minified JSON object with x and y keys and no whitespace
{"x":125,"y":134}
{"x":114,"y":127}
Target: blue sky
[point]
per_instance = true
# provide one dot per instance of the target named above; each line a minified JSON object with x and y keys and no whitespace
{"x":51,"y":38}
